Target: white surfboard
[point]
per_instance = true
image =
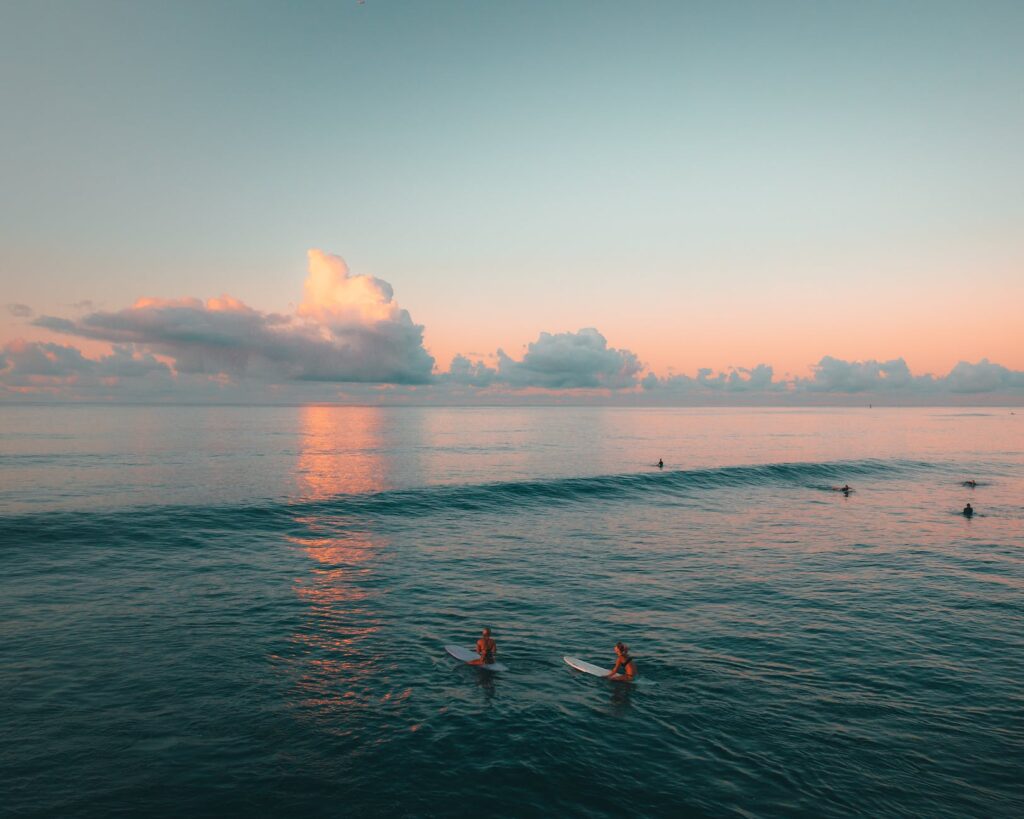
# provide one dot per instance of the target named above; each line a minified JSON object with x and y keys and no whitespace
{"x":587,"y":668}
{"x":597,"y":671}
{"x":467,"y":655}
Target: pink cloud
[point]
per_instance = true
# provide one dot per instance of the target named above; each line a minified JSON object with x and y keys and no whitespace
{"x":334,"y":297}
{"x":348,"y":328}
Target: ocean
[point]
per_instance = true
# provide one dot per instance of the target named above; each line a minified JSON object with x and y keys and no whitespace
{"x":241,"y":611}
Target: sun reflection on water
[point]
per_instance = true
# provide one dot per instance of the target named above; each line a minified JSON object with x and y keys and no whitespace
{"x":340,"y":452}
{"x":333,"y":665}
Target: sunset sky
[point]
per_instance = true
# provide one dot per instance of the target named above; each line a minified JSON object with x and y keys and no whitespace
{"x":821,"y":188}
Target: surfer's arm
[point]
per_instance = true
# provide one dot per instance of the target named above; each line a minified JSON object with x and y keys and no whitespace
{"x":615,"y":669}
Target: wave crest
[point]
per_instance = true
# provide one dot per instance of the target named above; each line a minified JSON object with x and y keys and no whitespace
{"x":498,"y":496}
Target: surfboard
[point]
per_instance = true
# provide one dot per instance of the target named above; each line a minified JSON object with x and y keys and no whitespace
{"x":467,"y":655}
{"x":587,"y":668}
{"x":597,"y":671}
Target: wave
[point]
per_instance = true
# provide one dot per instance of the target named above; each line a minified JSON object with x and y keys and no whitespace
{"x":504,"y":494}
{"x":496,"y":497}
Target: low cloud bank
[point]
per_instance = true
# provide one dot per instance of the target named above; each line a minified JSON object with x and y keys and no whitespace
{"x":835,"y":376}
{"x":741,"y":379}
{"x":34,"y":368}
{"x":894,"y":377}
{"x":350,"y":341}
{"x":347,"y":329}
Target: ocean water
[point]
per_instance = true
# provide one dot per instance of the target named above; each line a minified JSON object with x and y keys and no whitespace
{"x":241,"y":611}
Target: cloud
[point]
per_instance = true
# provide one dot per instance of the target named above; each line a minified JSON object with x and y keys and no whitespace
{"x":347,"y":329}
{"x":555,"y":361}
{"x":835,"y":375}
{"x":335,"y":298}
{"x":29,"y":370}
{"x":350,"y":341}
{"x":471,"y":373}
{"x":895,"y":377}
{"x":736,"y":379}
{"x":983,"y":377}
{"x":32,"y":365}
{"x":19,"y":310}
{"x":570,"y":361}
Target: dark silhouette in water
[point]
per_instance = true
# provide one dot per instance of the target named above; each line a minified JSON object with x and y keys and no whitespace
{"x":661,"y":464}
{"x":968,"y":511}
{"x":971,"y":483}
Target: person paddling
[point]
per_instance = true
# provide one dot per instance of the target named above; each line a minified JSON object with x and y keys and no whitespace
{"x":625,"y":665}
{"x":486,"y":648}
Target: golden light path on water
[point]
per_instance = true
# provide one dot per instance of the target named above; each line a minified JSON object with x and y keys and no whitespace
{"x":333,"y":667}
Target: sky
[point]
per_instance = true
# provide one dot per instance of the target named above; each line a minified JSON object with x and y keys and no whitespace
{"x":478,"y":200}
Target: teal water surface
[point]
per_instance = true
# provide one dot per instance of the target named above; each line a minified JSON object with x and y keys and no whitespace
{"x":242,"y":611}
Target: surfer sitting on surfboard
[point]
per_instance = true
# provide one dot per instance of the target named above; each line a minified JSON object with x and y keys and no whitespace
{"x":486,"y":648}
{"x":623,"y":662}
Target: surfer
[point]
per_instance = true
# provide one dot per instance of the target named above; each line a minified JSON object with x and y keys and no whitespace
{"x":968,"y":511}
{"x":661,"y":464}
{"x":625,"y":666}
{"x":845,"y":489}
{"x":971,"y":483}
{"x":486,"y":648}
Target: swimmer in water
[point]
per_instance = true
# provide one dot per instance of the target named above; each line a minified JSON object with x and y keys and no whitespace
{"x":968,"y":511}
{"x":846,"y":489}
{"x":661,"y":464}
{"x":486,"y":648}
{"x":971,"y":483}
{"x":625,"y":666}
